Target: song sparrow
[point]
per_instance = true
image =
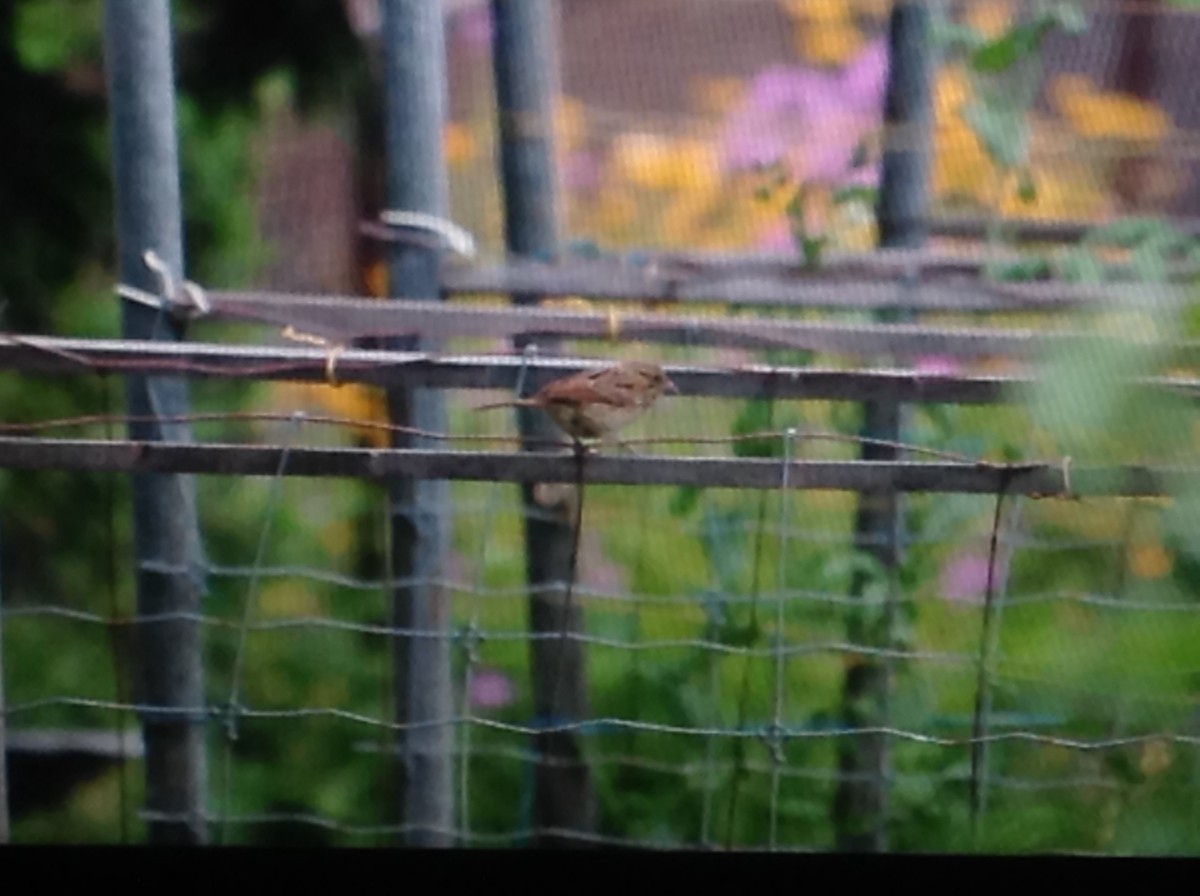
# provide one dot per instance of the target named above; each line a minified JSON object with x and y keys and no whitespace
{"x":596,"y":403}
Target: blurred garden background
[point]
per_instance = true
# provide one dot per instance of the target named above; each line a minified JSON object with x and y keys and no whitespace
{"x":748,"y":126}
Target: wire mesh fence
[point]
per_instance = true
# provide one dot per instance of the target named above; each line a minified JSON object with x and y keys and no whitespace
{"x":714,"y":650}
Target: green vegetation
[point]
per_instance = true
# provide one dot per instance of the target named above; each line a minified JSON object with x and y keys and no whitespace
{"x":1099,"y":631}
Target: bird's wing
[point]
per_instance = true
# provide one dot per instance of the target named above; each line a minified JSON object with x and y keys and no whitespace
{"x":616,"y":386}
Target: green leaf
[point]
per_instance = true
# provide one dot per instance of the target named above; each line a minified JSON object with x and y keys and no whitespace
{"x":746,"y":635}
{"x":757,"y":415}
{"x":1190,"y":321}
{"x":1080,"y":266}
{"x":1022,"y":41}
{"x":842,"y":567}
{"x":53,"y":34}
{"x":1035,"y":267}
{"x":812,"y":247}
{"x":1149,"y":264}
{"x":865,"y":195}
{"x":1003,"y":130}
{"x":1000,"y":54}
{"x":1087,"y":398}
{"x":1005,"y":51}
{"x":1129,"y":232}
{"x":1026,"y":187}
{"x":684,"y":500}
{"x":723,"y":539}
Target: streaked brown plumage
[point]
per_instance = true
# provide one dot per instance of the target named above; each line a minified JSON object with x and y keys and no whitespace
{"x":596,"y":403}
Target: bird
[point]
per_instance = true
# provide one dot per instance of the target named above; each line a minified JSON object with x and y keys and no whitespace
{"x":594,"y":404}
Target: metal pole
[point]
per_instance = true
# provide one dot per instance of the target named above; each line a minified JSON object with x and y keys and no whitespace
{"x":415,"y":85}
{"x":138,"y":56}
{"x":860,"y":809}
{"x":524,"y":60}
{"x":4,"y":834}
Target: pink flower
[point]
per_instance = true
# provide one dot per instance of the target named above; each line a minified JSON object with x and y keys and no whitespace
{"x":472,"y":28}
{"x":490,"y":689}
{"x":581,"y":171}
{"x":864,"y":80}
{"x":810,"y":121}
{"x":778,"y":238}
{"x":965,"y":578}
{"x":938,"y":365}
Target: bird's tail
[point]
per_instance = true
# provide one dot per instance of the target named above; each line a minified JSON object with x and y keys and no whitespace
{"x":512,"y":403}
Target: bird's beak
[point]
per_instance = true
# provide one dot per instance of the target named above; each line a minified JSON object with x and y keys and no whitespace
{"x":670,"y":388}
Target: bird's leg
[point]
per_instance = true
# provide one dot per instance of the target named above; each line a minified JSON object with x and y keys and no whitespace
{"x":581,"y":447}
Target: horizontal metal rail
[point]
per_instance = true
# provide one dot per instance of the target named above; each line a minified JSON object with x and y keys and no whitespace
{"x":342,"y":319}
{"x":63,"y":357}
{"x":1039,"y":479}
{"x":881,"y":281}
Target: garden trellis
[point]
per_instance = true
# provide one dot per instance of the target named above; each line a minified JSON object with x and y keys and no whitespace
{"x":438,"y":618}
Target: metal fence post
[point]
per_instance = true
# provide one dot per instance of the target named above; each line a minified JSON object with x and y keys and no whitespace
{"x":414,"y":98}
{"x":4,"y":835}
{"x":138,"y":58}
{"x":524,"y":60}
{"x":860,"y":809}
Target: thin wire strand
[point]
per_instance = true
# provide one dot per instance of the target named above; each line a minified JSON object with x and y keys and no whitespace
{"x":470,"y":647}
{"x":503,"y":438}
{"x":110,"y":573}
{"x":982,"y":699}
{"x":604,"y":726}
{"x":776,"y":745}
{"x":239,"y":658}
{"x":744,"y":696}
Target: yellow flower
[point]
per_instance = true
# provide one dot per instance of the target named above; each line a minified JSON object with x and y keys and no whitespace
{"x":990,"y":18}
{"x":570,"y":123}
{"x":951,"y":91}
{"x":682,"y":220}
{"x":818,"y":10}
{"x":961,"y":166}
{"x":460,"y":145}
{"x":615,"y":212}
{"x":1150,"y":561}
{"x":1061,"y":192}
{"x":1102,"y":114}
{"x":828,"y":44}
{"x":365,"y":403}
{"x":658,"y":163}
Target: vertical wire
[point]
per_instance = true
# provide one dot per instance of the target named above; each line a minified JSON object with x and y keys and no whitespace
{"x":983,"y":675}
{"x":471,"y":640}
{"x":110,"y":572}
{"x":386,"y":739}
{"x":231,"y":733}
{"x":1003,"y":562}
{"x":714,"y":663}
{"x":777,"y":755}
{"x":739,"y":748}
